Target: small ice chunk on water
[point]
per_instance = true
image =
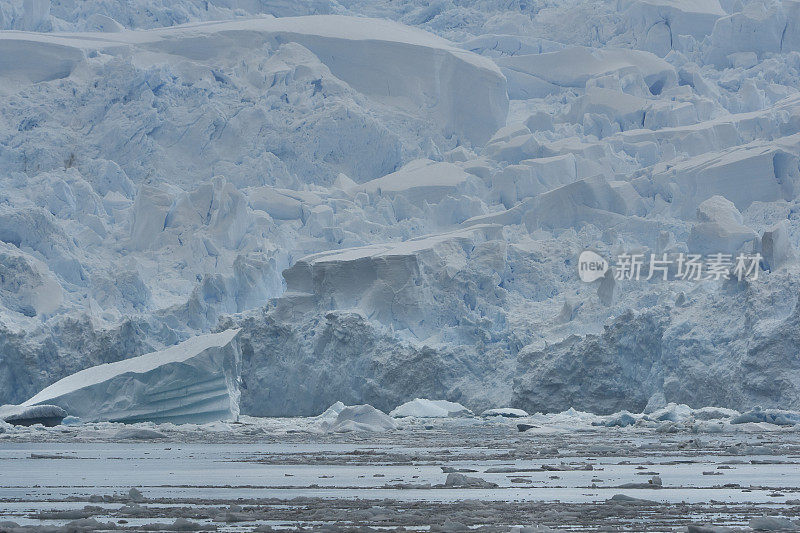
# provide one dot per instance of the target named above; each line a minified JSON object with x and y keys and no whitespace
{"x":507,"y":412}
{"x":18,"y":415}
{"x":461,"y":480}
{"x":360,"y":418}
{"x":424,"y":408}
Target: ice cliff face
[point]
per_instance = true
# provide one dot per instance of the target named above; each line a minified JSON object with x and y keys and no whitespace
{"x":389,"y":199}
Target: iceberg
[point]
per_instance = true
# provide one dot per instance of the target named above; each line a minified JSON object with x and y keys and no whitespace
{"x":424,"y":408}
{"x":18,"y":415}
{"x":359,"y":418}
{"x":505,"y":412}
{"x":196,"y":381}
{"x":770,"y":416}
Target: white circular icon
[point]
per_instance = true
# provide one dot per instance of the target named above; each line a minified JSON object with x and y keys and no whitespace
{"x":591,"y":266}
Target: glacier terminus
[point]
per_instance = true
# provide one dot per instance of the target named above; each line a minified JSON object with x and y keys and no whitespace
{"x":435,"y":265}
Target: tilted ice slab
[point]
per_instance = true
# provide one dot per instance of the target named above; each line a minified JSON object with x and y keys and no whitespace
{"x":391,"y":282}
{"x":658,"y":23}
{"x":537,"y":75}
{"x":719,"y":228}
{"x":418,"y":181}
{"x":393,"y":63}
{"x":591,"y":200}
{"x":759,"y":171}
{"x":727,"y":131}
{"x":195,"y":381}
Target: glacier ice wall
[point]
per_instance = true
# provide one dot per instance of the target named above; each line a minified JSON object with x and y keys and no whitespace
{"x":389,"y":198}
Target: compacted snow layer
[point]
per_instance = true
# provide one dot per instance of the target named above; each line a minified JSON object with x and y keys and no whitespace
{"x":539,"y":75}
{"x":390,"y":198}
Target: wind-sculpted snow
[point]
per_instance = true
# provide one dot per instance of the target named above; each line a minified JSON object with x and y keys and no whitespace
{"x":390,"y":198}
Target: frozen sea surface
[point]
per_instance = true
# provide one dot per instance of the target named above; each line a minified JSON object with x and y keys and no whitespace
{"x":283,"y":474}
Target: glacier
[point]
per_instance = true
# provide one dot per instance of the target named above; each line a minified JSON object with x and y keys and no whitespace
{"x":389,"y":199}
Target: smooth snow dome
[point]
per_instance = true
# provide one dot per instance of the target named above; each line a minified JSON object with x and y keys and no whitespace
{"x":390,"y":199}
{"x":424,"y":408}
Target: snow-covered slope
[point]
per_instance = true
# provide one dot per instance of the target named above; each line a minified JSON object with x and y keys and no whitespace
{"x":390,"y":198}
